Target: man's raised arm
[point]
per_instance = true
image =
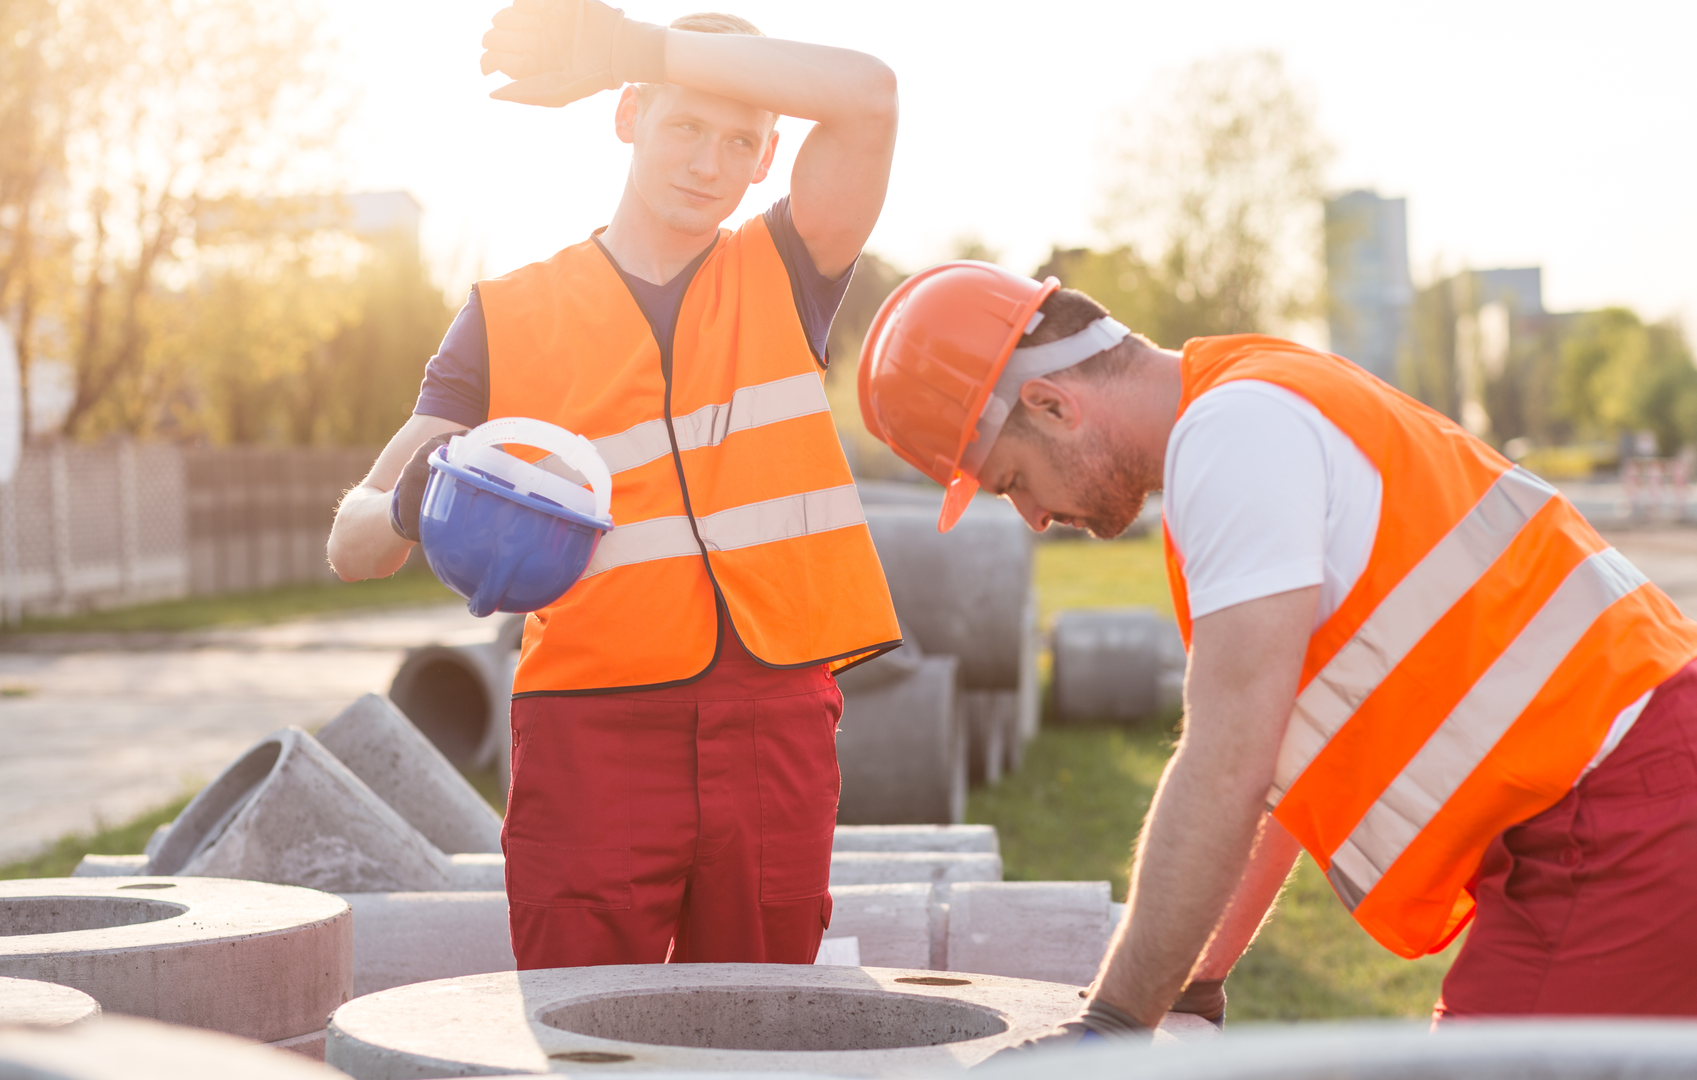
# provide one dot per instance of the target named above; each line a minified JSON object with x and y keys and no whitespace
{"x":843,"y":169}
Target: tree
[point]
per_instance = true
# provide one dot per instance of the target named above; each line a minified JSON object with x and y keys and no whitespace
{"x":1214,"y":208}
{"x":138,"y":115}
{"x":1620,"y":375}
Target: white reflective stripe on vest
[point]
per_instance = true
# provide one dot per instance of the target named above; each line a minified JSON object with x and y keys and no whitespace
{"x":1478,"y":721}
{"x":727,"y":530}
{"x":750,"y":407}
{"x":1405,"y":616}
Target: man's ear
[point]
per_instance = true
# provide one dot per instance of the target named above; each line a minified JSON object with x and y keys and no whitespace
{"x":766,"y":158}
{"x":624,"y":118}
{"x":1052,"y":406}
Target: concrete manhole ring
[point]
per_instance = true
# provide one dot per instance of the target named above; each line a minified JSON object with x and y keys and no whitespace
{"x":36,"y":1004}
{"x":691,"y":1017}
{"x":267,"y":962}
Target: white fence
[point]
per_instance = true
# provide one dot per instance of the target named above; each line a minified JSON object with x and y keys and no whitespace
{"x":86,"y":527}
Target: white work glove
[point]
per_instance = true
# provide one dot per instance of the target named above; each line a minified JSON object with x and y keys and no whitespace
{"x":558,"y":51}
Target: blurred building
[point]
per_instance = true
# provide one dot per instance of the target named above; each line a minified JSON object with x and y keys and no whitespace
{"x":1367,"y":279}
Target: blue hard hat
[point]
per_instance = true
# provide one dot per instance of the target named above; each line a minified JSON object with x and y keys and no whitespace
{"x":503,"y":533}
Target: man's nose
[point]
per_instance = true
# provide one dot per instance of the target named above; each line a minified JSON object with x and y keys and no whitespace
{"x":705,"y":163}
{"x":1034,"y":515}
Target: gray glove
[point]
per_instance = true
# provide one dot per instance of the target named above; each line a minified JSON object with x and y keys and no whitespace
{"x":408,"y":496}
{"x":1205,"y":998}
{"x":1098,"y":1023}
{"x":558,"y":51}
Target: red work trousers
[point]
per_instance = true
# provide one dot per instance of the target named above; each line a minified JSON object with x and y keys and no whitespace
{"x":1591,"y":907}
{"x":691,"y":824}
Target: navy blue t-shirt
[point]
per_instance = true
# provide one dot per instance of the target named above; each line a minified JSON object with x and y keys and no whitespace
{"x":456,"y":381}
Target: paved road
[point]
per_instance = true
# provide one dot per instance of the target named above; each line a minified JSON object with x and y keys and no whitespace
{"x":102,"y":728}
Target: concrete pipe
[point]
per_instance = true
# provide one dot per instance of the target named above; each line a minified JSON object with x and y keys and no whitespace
{"x":962,"y":838}
{"x":938,"y":868}
{"x":964,"y":592}
{"x":262,"y":961}
{"x":1050,"y":930}
{"x":992,"y":726}
{"x":459,"y":696}
{"x":1565,"y":1049}
{"x":37,"y":1004}
{"x":1116,"y":665}
{"x":119,"y":1048}
{"x":892,"y":922}
{"x":902,"y":745}
{"x":288,"y":812}
{"x":402,"y":938}
{"x":384,"y":748}
{"x":729,"y":1018}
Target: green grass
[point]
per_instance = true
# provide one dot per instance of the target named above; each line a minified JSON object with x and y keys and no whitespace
{"x":1091,"y":573}
{"x":408,"y":588}
{"x":128,"y":838}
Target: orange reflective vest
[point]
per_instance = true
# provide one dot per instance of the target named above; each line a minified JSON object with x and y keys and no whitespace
{"x":1471,"y":674}
{"x":728,"y":479}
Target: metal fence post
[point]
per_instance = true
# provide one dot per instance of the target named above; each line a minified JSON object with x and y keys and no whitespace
{"x":13,"y":609}
{"x":129,"y":525}
{"x":59,"y":492}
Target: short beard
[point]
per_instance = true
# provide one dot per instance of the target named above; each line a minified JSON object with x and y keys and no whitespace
{"x":1111,"y":487}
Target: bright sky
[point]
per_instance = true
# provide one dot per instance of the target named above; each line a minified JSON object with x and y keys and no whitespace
{"x":1560,"y":134}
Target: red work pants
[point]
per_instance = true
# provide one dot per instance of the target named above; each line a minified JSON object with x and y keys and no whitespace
{"x":692,"y":824}
{"x":1591,"y":907}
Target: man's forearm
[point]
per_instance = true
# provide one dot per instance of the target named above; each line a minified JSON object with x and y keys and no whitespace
{"x":792,"y":78}
{"x":362,"y":542}
{"x":1269,"y":867}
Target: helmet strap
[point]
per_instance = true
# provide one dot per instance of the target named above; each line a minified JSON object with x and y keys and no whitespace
{"x":1034,"y":362}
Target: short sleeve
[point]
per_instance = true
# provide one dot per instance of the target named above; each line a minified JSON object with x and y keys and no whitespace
{"x":817,"y":297}
{"x":456,"y":380}
{"x":1245,"y":498}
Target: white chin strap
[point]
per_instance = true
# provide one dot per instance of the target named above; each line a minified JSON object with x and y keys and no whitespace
{"x":1034,"y":362}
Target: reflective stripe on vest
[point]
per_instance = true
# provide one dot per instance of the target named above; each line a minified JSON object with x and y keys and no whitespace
{"x":739,"y":527}
{"x":1472,"y":671}
{"x":749,"y":407}
{"x":1473,"y":727}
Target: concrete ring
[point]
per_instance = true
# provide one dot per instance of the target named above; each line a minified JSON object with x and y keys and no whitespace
{"x":267,"y":962}
{"x":119,"y":1048}
{"x":731,"y":1018}
{"x":32,"y":1003}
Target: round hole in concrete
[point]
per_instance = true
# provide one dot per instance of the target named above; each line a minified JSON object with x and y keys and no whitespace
{"x":26,"y":915}
{"x":933,"y":980}
{"x":150,"y":885}
{"x":783,"y":1019}
{"x":212,"y":811}
{"x":444,"y":695}
{"x":592,"y":1057}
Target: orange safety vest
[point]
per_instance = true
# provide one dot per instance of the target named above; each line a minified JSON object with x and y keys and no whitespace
{"x":728,"y":478}
{"x":1472,"y":672}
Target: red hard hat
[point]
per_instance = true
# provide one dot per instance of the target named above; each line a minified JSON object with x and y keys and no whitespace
{"x":930,"y":361}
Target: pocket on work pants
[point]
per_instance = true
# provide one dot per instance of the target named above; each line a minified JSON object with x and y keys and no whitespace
{"x":567,"y":833}
{"x":795,"y":749}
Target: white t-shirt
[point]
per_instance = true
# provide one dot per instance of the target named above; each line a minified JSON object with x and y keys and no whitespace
{"x":1263,"y":494}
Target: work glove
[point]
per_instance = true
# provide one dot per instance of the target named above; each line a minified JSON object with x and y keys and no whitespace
{"x":557,"y":51}
{"x":408,"y":496}
{"x":1205,"y":998}
{"x":1098,"y":1023}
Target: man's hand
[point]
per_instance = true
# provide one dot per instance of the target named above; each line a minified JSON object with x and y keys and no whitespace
{"x":1099,"y":1022}
{"x":558,"y":51}
{"x":408,"y":496}
{"x":1205,"y":998}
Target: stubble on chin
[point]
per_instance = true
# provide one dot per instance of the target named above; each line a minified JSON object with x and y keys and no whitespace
{"x":1113,"y":487}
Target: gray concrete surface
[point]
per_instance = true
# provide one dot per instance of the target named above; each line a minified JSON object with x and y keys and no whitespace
{"x":33,"y":1003}
{"x":725,"y":1017}
{"x":402,"y":938}
{"x":902,"y":749}
{"x":1116,"y":665}
{"x":102,"y":727}
{"x":1573,"y":1048}
{"x":288,"y":812}
{"x":119,"y":1048}
{"x":937,"y":868}
{"x":262,"y":961}
{"x":961,"y":838}
{"x":1055,"y":931}
{"x":383,"y":748}
{"x":892,"y":922}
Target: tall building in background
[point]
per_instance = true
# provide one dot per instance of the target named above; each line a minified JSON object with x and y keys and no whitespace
{"x":1367,"y":279}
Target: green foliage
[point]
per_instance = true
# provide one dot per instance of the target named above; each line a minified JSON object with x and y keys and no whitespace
{"x":128,"y":838}
{"x":1620,"y":375}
